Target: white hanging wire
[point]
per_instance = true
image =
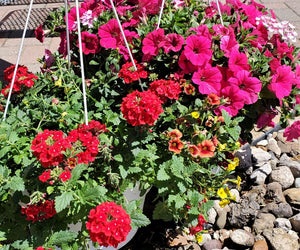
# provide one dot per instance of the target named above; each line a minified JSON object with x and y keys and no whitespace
{"x":81,"y":65}
{"x":18,"y":59}
{"x":67,"y":33}
{"x":220,"y":12}
{"x":125,"y":39}
{"x":160,"y":13}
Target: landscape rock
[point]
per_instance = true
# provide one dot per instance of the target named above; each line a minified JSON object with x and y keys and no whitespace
{"x":257,"y":194}
{"x":285,"y":148}
{"x":283,"y":210}
{"x":206,"y":237}
{"x":295,"y":221}
{"x":293,"y":165}
{"x":283,"y":175}
{"x":279,"y":240}
{"x":212,"y":244}
{"x":274,"y":192}
{"x":263,"y":221}
{"x":259,"y":155}
{"x":273,"y":146}
{"x":263,"y":143}
{"x":211,"y":214}
{"x":292,"y":196}
{"x":283,"y":223}
{"x":224,"y":234}
{"x":236,"y":194}
{"x":245,"y":157}
{"x":259,"y":175}
{"x":242,"y":237}
{"x":297,"y":183}
{"x":260,"y":245}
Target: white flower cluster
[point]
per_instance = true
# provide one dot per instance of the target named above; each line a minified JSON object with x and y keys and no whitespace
{"x":284,"y":28}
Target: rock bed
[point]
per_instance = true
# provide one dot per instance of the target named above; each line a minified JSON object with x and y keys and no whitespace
{"x":266,"y":214}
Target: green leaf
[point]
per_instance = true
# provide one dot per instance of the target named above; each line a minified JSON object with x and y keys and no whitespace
{"x":162,"y":175}
{"x":13,"y":137}
{"x":161,"y":211}
{"x":123,"y":172}
{"x":16,"y":183}
{"x":77,"y":171}
{"x":139,"y":220}
{"x":176,"y":200}
{"x":50,"y":190}
{"x":4,"y":151}
{"x":227,"y":117}
{"x":234,"y":132}
{"x":62,"y":237}
{"x":93,"y":193}
{"x":93,"y":62}
{"x":118,"y":158}
{"x":62,"y":201}
{"x":19,"y":244}
{"x":195,"y":198}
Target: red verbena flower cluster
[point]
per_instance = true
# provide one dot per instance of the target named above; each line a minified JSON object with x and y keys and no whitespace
{"x":48,"y":147}
{"x":199,"y":227}
{"x":140,"y":108}
{"x":129,"y":74}
{"x":23,"y":77}
{"x":40,"y":211}
{"x":41,"y":248}
{"x":166,"y":89}
{"x":108,"y":224}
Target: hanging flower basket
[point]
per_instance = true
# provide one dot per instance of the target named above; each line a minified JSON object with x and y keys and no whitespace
{"x":160,"y":93}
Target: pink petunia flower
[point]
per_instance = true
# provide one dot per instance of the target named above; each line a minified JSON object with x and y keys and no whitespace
{"x":72,"y":18}
{"x":249,"y":86}
{"x":110,"y":35}
{"x":39,"y":33}
{"x":296,"y":80}
{"x":229,"y":43}
{"x":293,"y":131}
{"x":151,"y":7}
{"x":201,"y":30}
{"x":49,"y":58}
{"x":209,"y":80}
{"x":265,"y":119}
{"x":153,"y":41}
{"x":281,"y":84}
{"x":90,"y":43}
{"x":173,"y":42}
{"x":185,"y":64}
{"x":198,"y":50}
{"x":261,"y":34}
{"x":238,"y":61}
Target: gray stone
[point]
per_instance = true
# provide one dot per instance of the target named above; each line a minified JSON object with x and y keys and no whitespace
{"x":283,"y":210}
{"x":297,"y":183}
{"x":279,"y":240}
{"x":293,"y":165}
{"x":263,"y":221}
{"x":259,"y":175}
{"x":263,"y":143}
{"x":211,"y":214}
{"x":283,"y":175}
{"x":285,"y":148}
{"x":212,"y":244}
{"x":222,"y":219}
{"x":206,"y":237}
{"x":259,"y":155}
{"x":295,"y":221}
{"x":272,"y":145}
{"x":242,"y":237}
{"x":260,"y":245}
{"x":292,"y":196}
{"x":283,"y":223}
{"x":274,"y":192}
{"x":257,"y":194}
{"x":244,"y":155}
{"x":224,"y":234}
{"x":236,"y":194}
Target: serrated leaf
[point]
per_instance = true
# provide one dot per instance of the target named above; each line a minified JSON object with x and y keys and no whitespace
{"x":77,"y":171}
{"x":4,"y":151}
{"x":195,"y":198}
{"x":118,"y":158}
{"x":50,"y":190}
{"x":161,"y":211}
{"x":123,"y":172}
{"x":62,"y":237}
{"x":207,"y":205}
{"x":162,"y":174}
{"x":181,"y":187}
{"x":16,"y":183}
{"x":13,"y":137}
{"x":176,"y":200}
{"x":21,"y":245}
{"x":227,"y":117}
{"x":94,"y":193}
{"x":234,"y":132}
{"x":139,"y":220}
{"x":62,"y":201}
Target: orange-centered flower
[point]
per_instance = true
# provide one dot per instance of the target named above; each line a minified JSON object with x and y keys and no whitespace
{"x":206,"y":149}
{"x":175,"y":134}
{"x":176,"y":145}
{"x":213,"y":99}
{"x":193,"y":149}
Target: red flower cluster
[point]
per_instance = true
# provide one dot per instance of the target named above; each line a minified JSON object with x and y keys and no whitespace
{"x":199,"y":227}
{"x":108,"y":224}
{"x":41,"y":248}
{"x":40,"y":211}
{"x":65,"y":175}
{"x":23,"y":77}
{"x":48,"y":146}
{"x":166,"y":89}
{"x":129,"y":74}
{"x":140,"y":108}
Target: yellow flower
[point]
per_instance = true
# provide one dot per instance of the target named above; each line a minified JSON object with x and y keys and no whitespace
{"x":199,"y":237}
{"x":64,"y":114}
{"x":222,"y":146}
{"x":221,"y":192}
{"x":231,"y":167}
{"x":195,"y":114}
{"x":238,"y":144}
{"x":233,"y":164}
{"x":223,"y":203}
{"x":58,"y":83}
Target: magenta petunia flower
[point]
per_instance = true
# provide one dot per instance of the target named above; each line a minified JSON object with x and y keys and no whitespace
{"x":261,"y":38}
{"x":296,"y":80}
{"x":72,"y":18}
{"x":238,"y":61}
{"x":173,"y":42}
{"x":229,"y":43}
{"x":198,"y":50}
{"x":49,"y":58}
{"x":249,"y":86}
{"x":153,"y":41}
{"x":90,"y":43}
{"x":265,"y":119}
{"x":39,"y":33}
{"x":293,"y":131}
{"x":110,"y":35}
{"x":201,"y":30}
{"x":208,"y":79}
{"x":186,"y":66}
{"x":282,"y":81}
{"x":151,"y":7}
